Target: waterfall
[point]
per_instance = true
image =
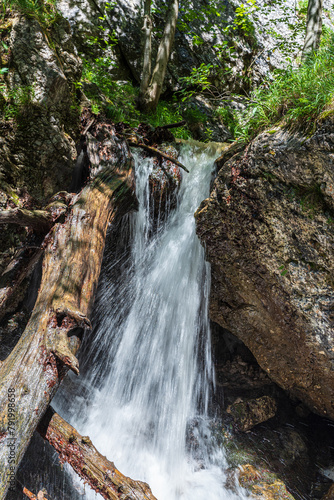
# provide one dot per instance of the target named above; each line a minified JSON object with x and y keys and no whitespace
{"x":148,"y":371}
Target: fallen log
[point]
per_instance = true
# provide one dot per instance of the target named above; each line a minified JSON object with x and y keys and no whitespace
{"x":31,"y":374}
{"x":157,"y":152}
{"x":20,"y":268}
{"x":39,"y":220}
{"x":95,"y":469}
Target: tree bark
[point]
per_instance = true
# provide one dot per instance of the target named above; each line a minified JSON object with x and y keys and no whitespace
{"x":152,"y":95}
{"x":39,"y":220}
{"x":19,"y":268}
{"x":313,"y":27}
{"x":95,"y":469}
{"x":147,"y":29}
{"x":31,"y":374}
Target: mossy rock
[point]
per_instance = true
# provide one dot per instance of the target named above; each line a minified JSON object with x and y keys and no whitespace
{"x":247,"y":414}
{"x":263,"y":484}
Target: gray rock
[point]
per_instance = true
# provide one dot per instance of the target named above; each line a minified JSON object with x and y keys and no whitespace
{"x":268,"y":233}
{"x":276,"y":31}
{"x":39,"y":151}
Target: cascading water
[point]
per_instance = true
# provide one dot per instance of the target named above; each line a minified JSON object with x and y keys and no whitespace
{"x":150,"y":361}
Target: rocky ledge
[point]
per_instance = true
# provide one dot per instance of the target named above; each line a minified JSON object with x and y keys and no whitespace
{"x":268,"y":230}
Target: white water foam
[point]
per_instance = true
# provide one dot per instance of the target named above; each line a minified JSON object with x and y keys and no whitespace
{"x":152,"y":371}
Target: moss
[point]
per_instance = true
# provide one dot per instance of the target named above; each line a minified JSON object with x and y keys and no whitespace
{"x":263,"y":483}
{"x":326,"y":114}
{"x":272,"y":131}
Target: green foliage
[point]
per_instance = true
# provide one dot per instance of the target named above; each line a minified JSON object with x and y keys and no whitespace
{"x":287,"y":43}
{"x":165,"y":114}
{"x":197,"y":81}
{"x":296,"y":95}
{"x":204,"y":16}
{"x":242,"y":19}
{"x":44,"y":11}
{"x":118,"y":100}
{"x":302,"y":7}
{"x":228,"y":117}
{"x":15,"y":101}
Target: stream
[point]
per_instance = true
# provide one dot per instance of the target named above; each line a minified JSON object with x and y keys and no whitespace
{"x":147,"y":373}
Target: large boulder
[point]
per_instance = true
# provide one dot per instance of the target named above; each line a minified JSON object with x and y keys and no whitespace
{"x":37,"y":149}
{"x":268,"y":230}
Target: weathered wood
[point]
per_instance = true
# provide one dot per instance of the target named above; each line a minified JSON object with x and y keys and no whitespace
{"x":95,"y":469}
{"x":40,"y":495}
{"x":39,"y":220}
{"x":157,"y":152}
{"x":11,"y":279}
{"x":28,"y":494}
{"x":31,"y":374}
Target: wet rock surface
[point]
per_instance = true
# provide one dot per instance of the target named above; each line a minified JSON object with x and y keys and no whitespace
{"x":247,"y":414}
{"x":268,"y":232}
{"x":287,"y":451}
{"x":330,"y":494}
{"x":262,"y":483}
{"x":164,"y":181}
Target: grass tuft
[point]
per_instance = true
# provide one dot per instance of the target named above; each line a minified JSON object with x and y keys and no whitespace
{"x":295,"y":96}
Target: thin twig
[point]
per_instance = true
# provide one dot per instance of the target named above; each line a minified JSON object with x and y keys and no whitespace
{"x":174,"y":125}
{"x":155,"y":151}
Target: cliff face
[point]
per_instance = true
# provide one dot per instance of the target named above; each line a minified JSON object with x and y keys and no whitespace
{"x":36,"y":149}
{"x":242,"y":40}
{"x":269,"y":235}
{"x":39,"y":120}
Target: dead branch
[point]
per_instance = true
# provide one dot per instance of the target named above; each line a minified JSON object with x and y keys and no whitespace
{"x":40,"y":495}
{"x":157,"y":152}
{"x":39,"y":220}
{"x":174,"y":125}
{"x":95,"y":469}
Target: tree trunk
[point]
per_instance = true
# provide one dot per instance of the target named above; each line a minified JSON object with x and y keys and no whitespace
{"x":19,"y":268}
{"x":153,"y":92}
{"x":88,"y":463}
{"x":31,"y":374}
{"x":147,"y":28}
{"x":313,"y":27}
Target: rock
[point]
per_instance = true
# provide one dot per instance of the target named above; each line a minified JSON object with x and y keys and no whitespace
{"x":263,"y":484}
{"x":241,"y":56}
{"x":41,"y":122}
{"x":164,"y":182}
{"x":247,"y":414}
{"x":38,"y":152}
{"x":268,"y":232}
